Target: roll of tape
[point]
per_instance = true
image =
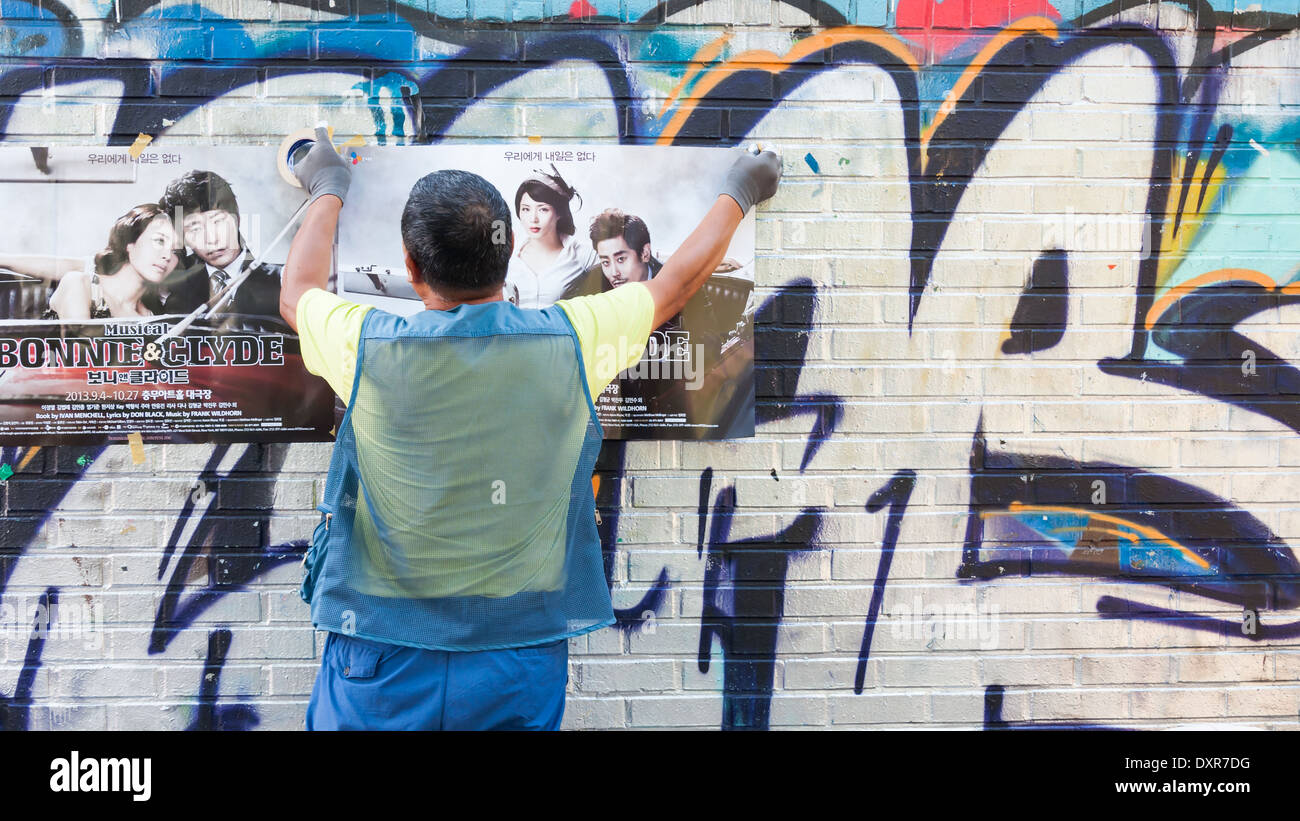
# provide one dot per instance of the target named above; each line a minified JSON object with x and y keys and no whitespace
{"x":294,"y":147}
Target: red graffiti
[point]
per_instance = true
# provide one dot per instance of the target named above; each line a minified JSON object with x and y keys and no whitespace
{"x":582,"y":10}
{"x":947,"y":26}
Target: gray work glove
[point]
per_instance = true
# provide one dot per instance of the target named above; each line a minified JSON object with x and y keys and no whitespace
{"x":323,"y":171}
{"x":752,"y":179}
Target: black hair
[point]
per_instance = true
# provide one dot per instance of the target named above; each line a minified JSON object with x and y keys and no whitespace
{"x":125,"y":231}
{"x":456,"y":227}
{"x":541,"y":192}
{"x":199,"y":191}
{"x":612,"y":223}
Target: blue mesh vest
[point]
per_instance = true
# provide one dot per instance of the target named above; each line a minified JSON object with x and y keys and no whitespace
{"x":459,"y":494}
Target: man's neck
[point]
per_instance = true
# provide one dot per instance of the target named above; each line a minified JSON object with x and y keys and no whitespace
{"x":434,"y":301}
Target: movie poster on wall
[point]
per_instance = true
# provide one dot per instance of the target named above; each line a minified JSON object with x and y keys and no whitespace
{"x":587,"y":219}
{"x":136,"y":296}
{"x":140,"y":294}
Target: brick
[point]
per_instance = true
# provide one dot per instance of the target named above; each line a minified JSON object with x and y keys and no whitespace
{"x":675,"y":711}
{"x":555,"y":83}
{"x":665,"y":492}
{"x":157,"y":493}
{"x":823,"y":673}
{"x":134,"y":608}
{"x":879,"y":344}
{"x":272,"y":121}
{"x":34,"y":119}
{"x":639,"y":676}
{"x":259,"y":494}
{"x":68,"y":716}
{"x":113,"y":459}
{"x":801,"y":638}
{"x":871,"y":708}
{"x":788,"y":493}
{"x":1287,"y":666}
{"x":287,"y":606}
{"x":1177,"y":703}
{"x":1229,"y":667}
{"x":1031,"y":597}
{"x":860,"y":564}
{"x":182,"y":680}
{"x":292,"y":679}
{"x":747,"y":454}
{"x":72,"y":680}
{"x":958,"y":708}
{"x":798,"y":711}
{"x":1078,"y":705}
{"x":1249,"y":487}
{"x":65,"y":496}
{"x":372,"y":43}
{"x":608,"y":642}
{"x":150,"y":716}
{"x":929,"y":672}
{"x":187,"y":81}
{"x":668,"y":638}
{"x":1205,"y":451}
{"x":1124,"y":669}
{"x":1079,"y":634}
{"x":48,"y":569}
{"x":1027,"y":670}
{"x":285,"y":529}
{"x":594,"y":714}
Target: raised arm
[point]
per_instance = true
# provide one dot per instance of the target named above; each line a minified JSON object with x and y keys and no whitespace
{"x":752,"y":179}
{"x":46,"y":267}
{"x":326,"y":177}
{"x":308,"y":265}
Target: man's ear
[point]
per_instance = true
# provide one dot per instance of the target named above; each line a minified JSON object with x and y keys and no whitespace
{"x":412,"y":272}
{"x":645,"y":252}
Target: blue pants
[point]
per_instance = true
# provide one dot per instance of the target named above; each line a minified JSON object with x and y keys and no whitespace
{"x":370,"y":685}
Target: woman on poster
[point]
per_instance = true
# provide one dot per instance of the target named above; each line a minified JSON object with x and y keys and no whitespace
{"x":550,"y":257}
{"x":140,"y":253}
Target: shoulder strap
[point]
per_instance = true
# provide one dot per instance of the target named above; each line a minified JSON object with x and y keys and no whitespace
{"x":97,"y":301}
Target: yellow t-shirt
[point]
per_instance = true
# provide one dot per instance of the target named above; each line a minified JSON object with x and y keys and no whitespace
{"x":612,"y":329}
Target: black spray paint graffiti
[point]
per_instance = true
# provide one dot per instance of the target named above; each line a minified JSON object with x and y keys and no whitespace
{"x":234,"y":546}
{"x":14,"y":710}
{"x":745,"y":580}
{"x":236,"y":553}
{"x":212,"y":716}
{"x":894,"y":495}
{"x":994,"y":696}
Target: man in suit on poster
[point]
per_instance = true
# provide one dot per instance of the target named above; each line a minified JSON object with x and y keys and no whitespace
{"x":207,"y":214}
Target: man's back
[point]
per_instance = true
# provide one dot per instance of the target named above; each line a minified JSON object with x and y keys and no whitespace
{"x":456,"y":524}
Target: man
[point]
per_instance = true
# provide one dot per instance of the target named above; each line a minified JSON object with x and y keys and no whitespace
{"x":209,"y":223}
{"x":622,"y":244}
{"x":458,"y":552}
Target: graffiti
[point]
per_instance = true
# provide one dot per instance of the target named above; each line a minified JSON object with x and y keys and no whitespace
{"x":210,"y":716}
{"x":1010,"y":308}
{"x":14,"y":710}
{"x":237,"y":555}
{"x":993,"y":699}
{"x":894,"y":495}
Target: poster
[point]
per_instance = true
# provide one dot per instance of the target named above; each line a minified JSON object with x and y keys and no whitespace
{"x":631,"y":206}
{"x":140,"y":294}
{"x":109,"y":264}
